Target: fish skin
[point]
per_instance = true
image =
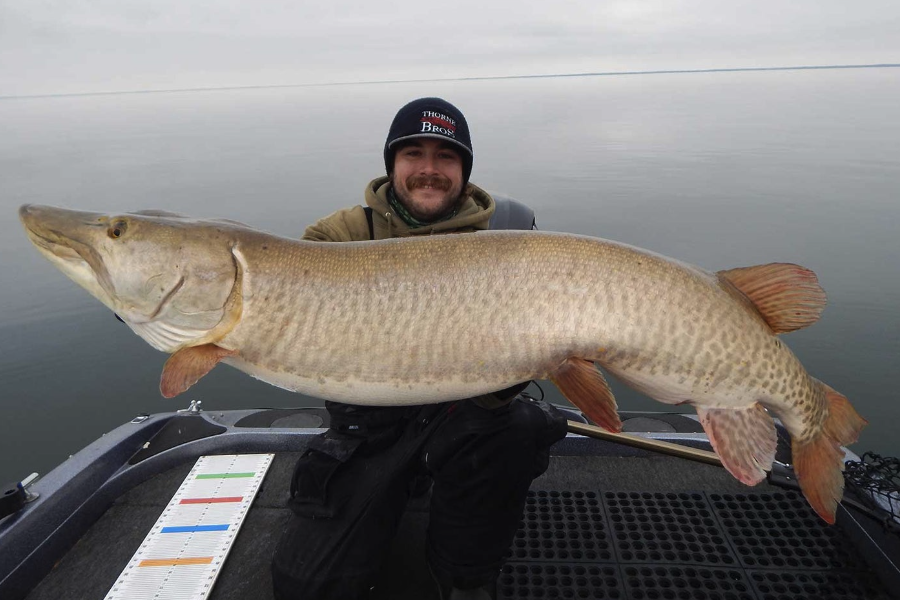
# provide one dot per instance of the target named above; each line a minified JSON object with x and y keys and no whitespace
{"x":438,"y":318}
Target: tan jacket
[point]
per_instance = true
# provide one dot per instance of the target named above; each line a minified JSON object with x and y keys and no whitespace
{"x":350,"y":224}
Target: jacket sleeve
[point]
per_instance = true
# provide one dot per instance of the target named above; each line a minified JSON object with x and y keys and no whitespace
{"x":345,"y":225}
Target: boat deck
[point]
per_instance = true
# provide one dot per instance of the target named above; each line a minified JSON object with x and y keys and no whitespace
{"x":641,"y":526}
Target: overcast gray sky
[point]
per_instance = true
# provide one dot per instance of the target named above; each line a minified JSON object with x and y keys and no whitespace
{"x":76,"y":46}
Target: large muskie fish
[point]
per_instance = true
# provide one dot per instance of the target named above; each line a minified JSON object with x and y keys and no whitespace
{"x":432,"y":319}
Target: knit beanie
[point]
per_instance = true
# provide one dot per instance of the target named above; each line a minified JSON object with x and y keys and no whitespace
{"x":431,"y":118}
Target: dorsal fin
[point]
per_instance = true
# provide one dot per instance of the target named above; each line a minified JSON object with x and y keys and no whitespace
{"x":229,"y":222}
{"x":154,"y":212}
{"x":787,"y":296}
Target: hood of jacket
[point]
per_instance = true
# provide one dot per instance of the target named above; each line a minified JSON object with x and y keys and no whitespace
{"x":474,"y":214}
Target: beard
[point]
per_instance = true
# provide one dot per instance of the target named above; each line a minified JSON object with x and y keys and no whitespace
{"x":430,"y":210}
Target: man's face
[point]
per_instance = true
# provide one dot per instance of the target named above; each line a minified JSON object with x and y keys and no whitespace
{"x":427,"y":178}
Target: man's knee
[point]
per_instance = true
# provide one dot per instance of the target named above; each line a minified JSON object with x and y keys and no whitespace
{"x":539,"y":425}
{"x":522,"y":417}
{"x":477,"y":439}
{"x":532,"y":423}
{"x":541,"y":419}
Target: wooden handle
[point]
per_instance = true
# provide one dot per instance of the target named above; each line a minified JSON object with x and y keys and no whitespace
{"x":687,"y":452}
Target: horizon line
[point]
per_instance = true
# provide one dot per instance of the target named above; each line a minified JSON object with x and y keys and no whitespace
{"x":449,"y":79}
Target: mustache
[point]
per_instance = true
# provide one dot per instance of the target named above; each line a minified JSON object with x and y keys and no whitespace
{"x":436,"y":181}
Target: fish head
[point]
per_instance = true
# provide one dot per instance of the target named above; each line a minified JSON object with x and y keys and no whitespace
{"x":174,"y":280}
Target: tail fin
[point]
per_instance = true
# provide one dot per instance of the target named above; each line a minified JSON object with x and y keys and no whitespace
{"x":819,"y":462}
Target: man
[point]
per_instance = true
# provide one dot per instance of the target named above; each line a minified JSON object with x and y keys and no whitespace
{"x":350,"y":488}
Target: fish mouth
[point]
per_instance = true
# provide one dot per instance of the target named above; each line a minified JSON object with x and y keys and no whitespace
{"x":54,"y":243}
{"x":78,"y":260}
{"x":37,"y":222}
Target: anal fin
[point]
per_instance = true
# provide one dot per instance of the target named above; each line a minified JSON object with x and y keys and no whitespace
{"x":186,"y":366}
{"x":744,"y":438}
{"x":585,"y":387}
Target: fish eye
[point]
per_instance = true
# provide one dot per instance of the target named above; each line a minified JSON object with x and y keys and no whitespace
{"x":117,"y":229}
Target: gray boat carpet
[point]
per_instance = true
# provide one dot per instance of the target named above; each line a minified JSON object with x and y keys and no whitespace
{"x":637,"y":528}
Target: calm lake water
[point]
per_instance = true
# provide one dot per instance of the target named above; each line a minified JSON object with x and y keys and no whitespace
{"x":717,"y":169}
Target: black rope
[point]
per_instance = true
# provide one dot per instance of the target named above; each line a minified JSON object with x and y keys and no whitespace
{"x":536,"y":384}
{"x":876,"y":480}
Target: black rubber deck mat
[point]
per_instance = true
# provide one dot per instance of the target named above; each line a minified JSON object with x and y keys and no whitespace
{"x":686,"y":583}
{"x":680,"y":546}
{"x":668,"y":528}
{"x":818,"y":585}
{"x":533,"y":580}
{"x":563,"y":526}
{"x":780,"y":531}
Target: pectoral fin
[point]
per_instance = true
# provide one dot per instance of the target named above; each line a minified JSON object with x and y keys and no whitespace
{"x":744,"y":439}
{"x":185,"y":367}
{"x":584,"y":386}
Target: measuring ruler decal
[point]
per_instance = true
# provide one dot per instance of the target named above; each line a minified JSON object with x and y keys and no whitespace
{"x":184,"y":551}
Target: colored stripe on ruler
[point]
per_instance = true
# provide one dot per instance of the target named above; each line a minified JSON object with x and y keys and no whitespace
{"x":212,"y":500}
{"x":194,"y":528}
{"x":224,"y":475}
{"x":172,"y":562}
